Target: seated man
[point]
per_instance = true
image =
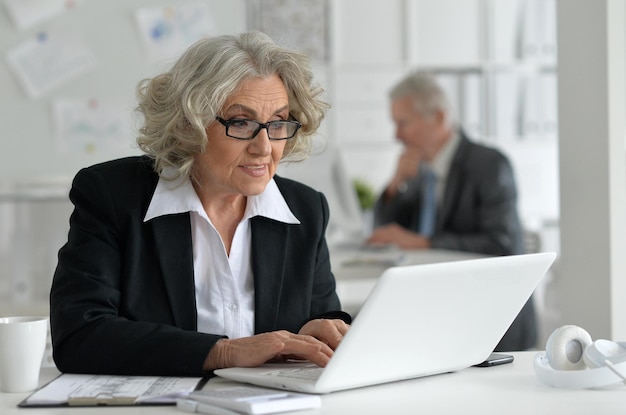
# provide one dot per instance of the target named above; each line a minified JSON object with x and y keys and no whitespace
{"x":449,"y":192}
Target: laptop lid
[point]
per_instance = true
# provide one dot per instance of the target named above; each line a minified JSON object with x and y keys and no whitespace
{"x":421,"y":320}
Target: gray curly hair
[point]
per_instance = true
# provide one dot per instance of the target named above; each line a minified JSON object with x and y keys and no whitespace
{"x":178,"y":105}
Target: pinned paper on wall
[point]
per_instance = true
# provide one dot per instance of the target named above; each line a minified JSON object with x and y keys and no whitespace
{"x":294,"y":23}
{"x":91,"y":126}
{"x":48,"y":60}
{"x":167,"y":31}
{"x":27,"y":13}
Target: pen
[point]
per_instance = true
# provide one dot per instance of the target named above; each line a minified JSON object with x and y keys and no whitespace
{"x":189,"y":405}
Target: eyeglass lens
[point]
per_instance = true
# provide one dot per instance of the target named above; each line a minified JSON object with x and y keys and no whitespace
{"x":247,"y":129}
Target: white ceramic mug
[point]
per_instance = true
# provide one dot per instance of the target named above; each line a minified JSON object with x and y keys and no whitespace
{"x":22,"y":345}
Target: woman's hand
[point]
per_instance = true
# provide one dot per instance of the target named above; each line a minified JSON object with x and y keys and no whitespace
{"x":329,"y":331}
{"x":273,"y":346}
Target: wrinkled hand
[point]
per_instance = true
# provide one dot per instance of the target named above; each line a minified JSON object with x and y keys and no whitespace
{"x":399,"y":236}
{"x":273,"y":346}
{"x":328,"y":331}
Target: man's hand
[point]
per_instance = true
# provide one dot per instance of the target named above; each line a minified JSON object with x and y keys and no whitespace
{"x":408,"y":163}
{"x":399,"y":236}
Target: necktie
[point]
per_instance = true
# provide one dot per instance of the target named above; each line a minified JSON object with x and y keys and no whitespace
{"x":428,"y":212}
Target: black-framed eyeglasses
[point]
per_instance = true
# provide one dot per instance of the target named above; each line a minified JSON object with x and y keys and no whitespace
{"x":244,"y":129}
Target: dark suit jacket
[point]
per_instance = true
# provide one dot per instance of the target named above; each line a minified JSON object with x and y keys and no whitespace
{"x":123,"y":300}
{"x":478,"y":213}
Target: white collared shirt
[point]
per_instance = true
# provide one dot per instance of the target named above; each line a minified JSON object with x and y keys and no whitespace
{"x":442,"y":161}
{"x":224,"y":284}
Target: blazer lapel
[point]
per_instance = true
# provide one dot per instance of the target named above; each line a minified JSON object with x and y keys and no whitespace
{"x":269,"y":242}
{"x":172,"y":234}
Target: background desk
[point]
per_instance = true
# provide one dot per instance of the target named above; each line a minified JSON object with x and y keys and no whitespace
{"x":357,"y":270}
{"x":508,"y":389}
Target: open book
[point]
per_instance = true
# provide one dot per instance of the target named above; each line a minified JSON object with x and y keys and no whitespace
{"x":91,"y":390}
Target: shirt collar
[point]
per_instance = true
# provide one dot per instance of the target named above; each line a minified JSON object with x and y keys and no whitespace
{"x":178,"y":196}
{"x":441,"y":163}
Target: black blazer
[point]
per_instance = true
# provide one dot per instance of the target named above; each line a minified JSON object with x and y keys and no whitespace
{"x":123,"y":300}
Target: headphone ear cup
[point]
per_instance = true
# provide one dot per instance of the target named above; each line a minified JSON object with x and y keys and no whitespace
{"x":599,"y":351}
{"x":566,"y":346}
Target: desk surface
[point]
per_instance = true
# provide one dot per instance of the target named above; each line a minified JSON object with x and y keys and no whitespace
{"x":508,"y":389}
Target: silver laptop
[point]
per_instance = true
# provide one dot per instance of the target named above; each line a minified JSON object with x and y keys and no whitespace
{"x":419,"y":320}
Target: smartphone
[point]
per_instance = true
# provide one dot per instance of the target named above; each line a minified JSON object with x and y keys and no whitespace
{"x":496,"y":359}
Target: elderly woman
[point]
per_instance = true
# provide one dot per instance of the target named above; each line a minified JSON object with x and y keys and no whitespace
{"x":196,"y":256}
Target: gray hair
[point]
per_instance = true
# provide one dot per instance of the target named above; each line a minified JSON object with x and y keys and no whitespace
{"x":427,"y":94}
{"x":178,"y":105}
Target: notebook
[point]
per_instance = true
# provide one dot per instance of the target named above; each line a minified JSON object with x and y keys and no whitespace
{"x":419,"y":320}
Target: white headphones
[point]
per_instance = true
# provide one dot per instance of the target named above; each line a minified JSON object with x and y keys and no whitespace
{"x":573,"y":360}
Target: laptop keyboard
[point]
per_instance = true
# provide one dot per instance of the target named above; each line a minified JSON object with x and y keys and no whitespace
{"x":310,"y":372}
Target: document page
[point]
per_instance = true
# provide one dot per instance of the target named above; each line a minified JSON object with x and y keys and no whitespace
{"x":87,"y":390}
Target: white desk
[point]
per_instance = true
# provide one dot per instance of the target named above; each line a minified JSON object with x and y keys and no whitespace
{"x":357,"y":270}
{"x":509,"y":389}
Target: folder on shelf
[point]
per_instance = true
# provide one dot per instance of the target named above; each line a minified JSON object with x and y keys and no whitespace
{"x":96,"y":390}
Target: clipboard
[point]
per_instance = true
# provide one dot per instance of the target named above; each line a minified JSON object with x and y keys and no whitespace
{"x":70,"y":389}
